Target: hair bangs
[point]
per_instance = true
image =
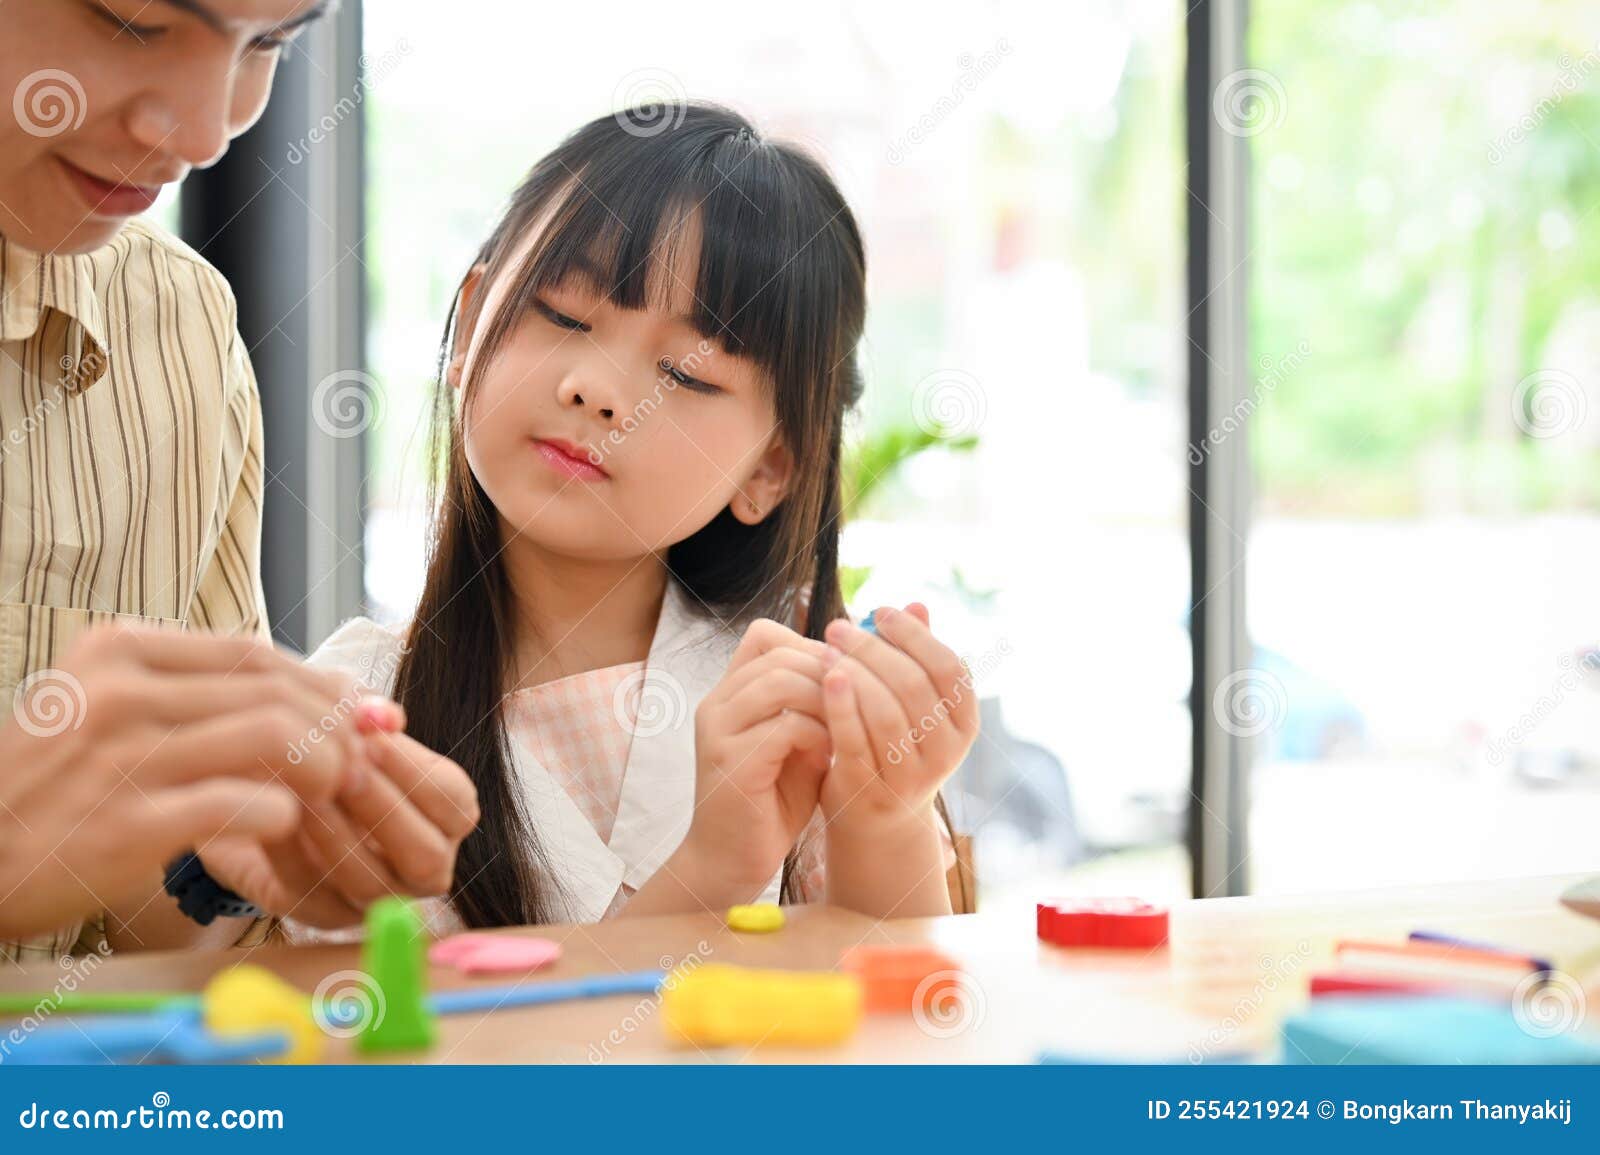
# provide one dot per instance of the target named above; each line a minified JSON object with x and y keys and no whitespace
{"x":618,"y":216}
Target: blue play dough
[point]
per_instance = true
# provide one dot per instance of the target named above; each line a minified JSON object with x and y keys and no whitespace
{"x":868,"y":624}
{"x":1395,"y":1029}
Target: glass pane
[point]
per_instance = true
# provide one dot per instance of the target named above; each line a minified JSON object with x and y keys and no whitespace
{"x":1424,"y":323}
{"x":1017,"y":172}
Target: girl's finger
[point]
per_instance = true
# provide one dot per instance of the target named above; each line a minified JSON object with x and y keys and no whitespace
{"x":882,"y":713}
{"x":900,"y":672}
{"x":435,"y":785}
{"x":951,"y":680}
{"x":852,"y":749}
{"x":780,"y":690}
{"x":784,"y":657}
{"x":765,"y":635}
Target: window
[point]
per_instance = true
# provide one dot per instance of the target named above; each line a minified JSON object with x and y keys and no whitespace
{"x":1423,"y":552}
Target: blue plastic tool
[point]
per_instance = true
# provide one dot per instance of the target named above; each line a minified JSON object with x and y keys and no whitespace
{"x":525,"y":995}
{"x":170,"y":1036}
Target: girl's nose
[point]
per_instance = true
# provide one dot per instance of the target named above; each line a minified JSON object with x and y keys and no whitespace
{"x":588,"y":394}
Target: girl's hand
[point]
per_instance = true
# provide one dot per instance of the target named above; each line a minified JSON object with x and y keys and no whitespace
{"x":902,"y":714}
{"x":761,"y":750}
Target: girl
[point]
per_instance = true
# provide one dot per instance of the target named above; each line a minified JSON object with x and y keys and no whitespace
{"x":643,"y":388}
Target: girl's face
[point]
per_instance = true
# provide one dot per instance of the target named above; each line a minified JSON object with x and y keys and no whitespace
{"x":608,"y":434}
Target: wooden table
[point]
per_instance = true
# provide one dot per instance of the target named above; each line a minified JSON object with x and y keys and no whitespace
{"x":1234,"y":967}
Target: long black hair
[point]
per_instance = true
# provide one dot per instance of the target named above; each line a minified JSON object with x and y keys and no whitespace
{"x":780,"y":280}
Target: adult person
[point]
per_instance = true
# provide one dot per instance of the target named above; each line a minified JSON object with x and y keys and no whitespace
{"x":130,"y":497}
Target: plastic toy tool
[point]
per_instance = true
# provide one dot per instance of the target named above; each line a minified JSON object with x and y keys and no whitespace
{"x":394,"y":956}
{"x":1103,"y":922}
{"x":169,"y":1036}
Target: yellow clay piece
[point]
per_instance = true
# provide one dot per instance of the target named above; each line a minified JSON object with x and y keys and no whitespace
{"x":716,"y":1005}
{"x":247,"y":1000}
{"x":758,"y":918}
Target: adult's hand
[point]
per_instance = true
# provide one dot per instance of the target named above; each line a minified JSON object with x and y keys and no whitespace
{"x":398,"y":833}
{"x":144,"y":743}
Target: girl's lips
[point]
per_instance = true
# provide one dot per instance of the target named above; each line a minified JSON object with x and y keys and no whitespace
{"x":105,"y":199}
{"x":569,"y":461}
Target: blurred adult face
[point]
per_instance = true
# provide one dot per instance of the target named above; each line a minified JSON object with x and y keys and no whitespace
{"x":102,"y":102}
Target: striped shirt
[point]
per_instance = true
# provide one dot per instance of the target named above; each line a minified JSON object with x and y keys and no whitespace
{"x":130,"y":458}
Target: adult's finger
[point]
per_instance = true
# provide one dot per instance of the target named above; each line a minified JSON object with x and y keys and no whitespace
{"x":186,"y":817}
{"x":269,"y":743}
{"x":417,"y":851}
{"x":350,"y":868}
{"x":432,"y":783}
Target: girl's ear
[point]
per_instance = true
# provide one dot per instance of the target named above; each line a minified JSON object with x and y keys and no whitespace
{"x":767,"y":485}
{"x":466,"y":322}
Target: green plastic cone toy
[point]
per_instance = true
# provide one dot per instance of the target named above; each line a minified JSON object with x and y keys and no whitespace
{"x":395,"y":956}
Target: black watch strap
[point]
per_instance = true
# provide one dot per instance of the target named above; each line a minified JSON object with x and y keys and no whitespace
{"x":202,"y":897}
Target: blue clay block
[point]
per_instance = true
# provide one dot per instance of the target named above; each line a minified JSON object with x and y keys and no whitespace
{"x":1392,"y":1029}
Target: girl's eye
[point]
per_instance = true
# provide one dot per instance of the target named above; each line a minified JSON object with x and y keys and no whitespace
{"x":561,"y":319}
{"x":681,"y":378}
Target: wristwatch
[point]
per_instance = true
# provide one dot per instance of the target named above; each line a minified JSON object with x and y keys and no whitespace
{"x":202,"y":897}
